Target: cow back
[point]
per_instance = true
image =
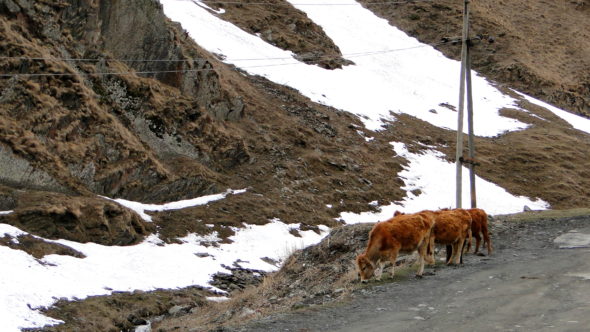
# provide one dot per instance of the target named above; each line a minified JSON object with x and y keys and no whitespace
{"x":451,"y":225}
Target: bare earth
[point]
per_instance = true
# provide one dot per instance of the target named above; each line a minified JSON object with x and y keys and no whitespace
{"x":527,"y":284}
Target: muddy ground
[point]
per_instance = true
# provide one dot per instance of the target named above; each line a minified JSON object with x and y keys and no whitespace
{"x":529,"y":283}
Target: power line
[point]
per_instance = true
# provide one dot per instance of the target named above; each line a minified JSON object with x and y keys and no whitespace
{"x":307,"y":4}
{"x":350,"y":55}
{"x":132,"y":72}
{"x":356,"y":54}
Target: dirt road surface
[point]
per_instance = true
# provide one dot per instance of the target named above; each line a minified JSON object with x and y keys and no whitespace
{"x":530,"y":283}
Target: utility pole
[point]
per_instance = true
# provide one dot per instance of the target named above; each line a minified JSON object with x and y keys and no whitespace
{"x":465,"y":80}
{"x":470,"y":142}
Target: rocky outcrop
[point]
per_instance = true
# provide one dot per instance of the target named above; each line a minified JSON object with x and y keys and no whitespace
{"x":79,"y":130}
{"x":81,"y":219}
{"x":37,"y":247}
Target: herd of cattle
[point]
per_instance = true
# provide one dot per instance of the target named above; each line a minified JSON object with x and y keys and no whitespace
{"x":419,"y":232}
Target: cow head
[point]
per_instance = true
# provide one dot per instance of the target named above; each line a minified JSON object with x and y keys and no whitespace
{"x":366,"y":268}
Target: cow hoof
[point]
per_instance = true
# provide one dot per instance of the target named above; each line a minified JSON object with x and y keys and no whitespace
{"x":419,"y":276}
{"x":428,"y":274}
{"x":480,"y":254}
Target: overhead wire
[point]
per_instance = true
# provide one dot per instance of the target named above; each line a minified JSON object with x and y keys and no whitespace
{"x":357,"y":54}
{"x":320,"y":57}
{"x":378,"y":3}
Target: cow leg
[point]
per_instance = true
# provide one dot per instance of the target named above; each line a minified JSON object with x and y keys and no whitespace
{"x":422,"y":249}
{"x":431,"y":257}
{"x":486,"y":240}
{"x":379,"y":270}
{"x":459,"y":256}
{"x":429,"y":251}
{"x":477,"y":242}
{"x":465,"y":243}
{"x":468,"y":240}
{"x":454,"y":254}
{"x":449,"y":253}
{"x":393,"y":258}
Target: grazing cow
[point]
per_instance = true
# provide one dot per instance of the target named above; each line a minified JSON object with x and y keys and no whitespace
{"x":451,"y":228}
{"x":404,"y":233}
{"x":479,"y":227}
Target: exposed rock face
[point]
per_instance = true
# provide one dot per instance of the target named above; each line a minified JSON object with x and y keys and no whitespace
{"x":80,"y":219}
{"x":117,"y":134}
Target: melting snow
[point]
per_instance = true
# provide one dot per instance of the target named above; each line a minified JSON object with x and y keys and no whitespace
{"x":434,"y":177}
{"x":578,"y":122}
{"x":27,"y":283}
{"x":413,"y":80}
{"x":140,"y":208}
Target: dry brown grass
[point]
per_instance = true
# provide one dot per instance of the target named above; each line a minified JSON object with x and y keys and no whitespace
{"x":545,"y":214}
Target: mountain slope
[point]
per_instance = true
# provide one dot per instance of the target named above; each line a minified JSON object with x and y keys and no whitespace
{"x":151,"y":116}
{"x":538,"y":47}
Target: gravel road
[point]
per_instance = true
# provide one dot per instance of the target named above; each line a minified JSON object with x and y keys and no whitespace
{"x":528,"y":284}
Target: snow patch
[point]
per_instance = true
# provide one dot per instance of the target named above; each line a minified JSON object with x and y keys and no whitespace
{"x":576,"y":121}
{"x":141,"y":208}
{"x":149,"y":265}
{"x":217,"y":298}
{"x":433,"y":180}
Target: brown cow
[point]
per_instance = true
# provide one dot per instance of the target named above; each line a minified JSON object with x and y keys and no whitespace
{"x":405,"y":233}
{"x":479,"y":227}
{"x":451,"y":228}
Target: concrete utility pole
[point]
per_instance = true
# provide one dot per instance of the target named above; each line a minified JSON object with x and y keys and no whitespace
{"x":471,"y":162}
{"x":465,"y":80}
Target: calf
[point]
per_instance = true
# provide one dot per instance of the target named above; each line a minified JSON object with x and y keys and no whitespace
{"x":479,"y":228}
{"x":403,"y":233}
{"x":451,"y":228}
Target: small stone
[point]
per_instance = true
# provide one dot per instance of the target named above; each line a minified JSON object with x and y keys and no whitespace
{"x":176,"y":310}
{"x":247,"y":312}
{"x":419,"y":318}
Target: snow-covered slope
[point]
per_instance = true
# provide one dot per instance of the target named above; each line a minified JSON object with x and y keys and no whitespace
{"x":414,"y":80}
{"x":27,"y":284}
{"x":392,"y":73}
